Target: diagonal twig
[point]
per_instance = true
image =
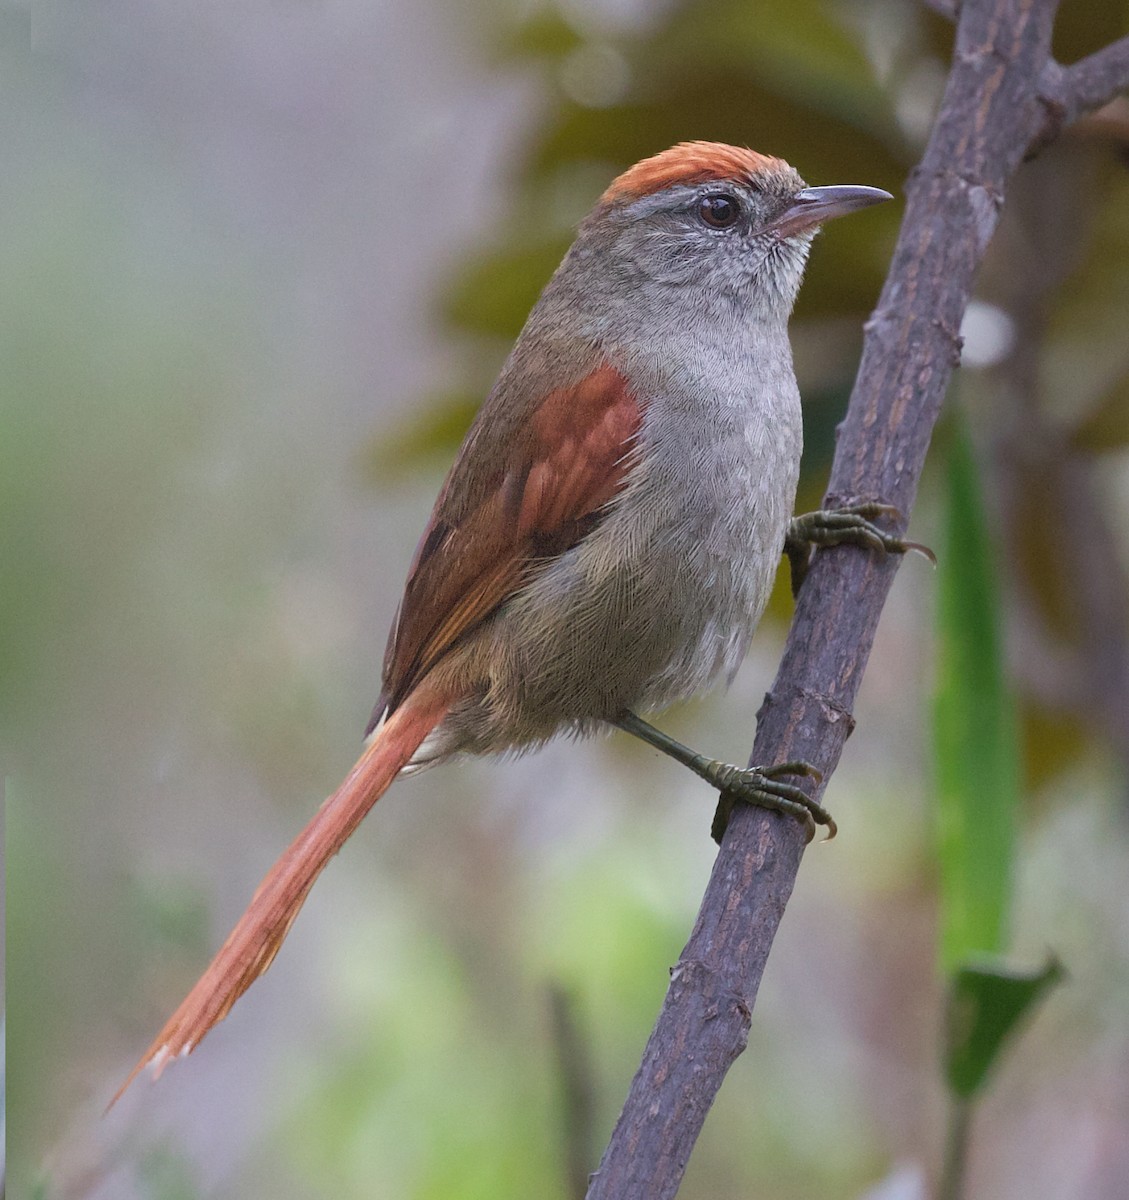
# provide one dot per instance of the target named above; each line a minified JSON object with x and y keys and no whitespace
{"x":993,"y":109}
{"x":1068,"y":93}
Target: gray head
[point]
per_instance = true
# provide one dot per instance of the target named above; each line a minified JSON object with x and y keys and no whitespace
{"x":704,"y":215}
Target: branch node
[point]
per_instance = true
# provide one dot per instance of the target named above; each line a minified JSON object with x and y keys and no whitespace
{"x":716,"y":989}
{"x":1050,"y":98}
{"x":953,"y":336}
{"x":879,"y":325}
{"x":1067,"y":93}
{"x":830,"y":709}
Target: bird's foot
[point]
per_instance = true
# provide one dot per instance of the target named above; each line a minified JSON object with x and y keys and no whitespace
{"x":852,"y":524}
{"x":739,"y":785}
{"x":763,"y":787}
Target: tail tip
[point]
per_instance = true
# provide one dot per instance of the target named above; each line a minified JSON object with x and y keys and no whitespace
{"x":154,"y":1065}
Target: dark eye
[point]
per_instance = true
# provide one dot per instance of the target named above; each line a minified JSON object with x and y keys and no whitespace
{"x":719,"y":210}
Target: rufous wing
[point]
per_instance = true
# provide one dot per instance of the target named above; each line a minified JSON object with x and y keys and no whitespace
{"x":544,"y":490}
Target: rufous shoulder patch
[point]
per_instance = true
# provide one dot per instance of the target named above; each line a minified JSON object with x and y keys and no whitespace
{"x":690,"y":163}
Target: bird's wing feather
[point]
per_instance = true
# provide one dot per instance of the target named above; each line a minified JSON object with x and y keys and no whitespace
{"x":546,"y":490}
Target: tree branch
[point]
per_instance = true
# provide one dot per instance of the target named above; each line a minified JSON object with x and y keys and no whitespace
{"x":1068,"y":93}
{"x":991,"y":112}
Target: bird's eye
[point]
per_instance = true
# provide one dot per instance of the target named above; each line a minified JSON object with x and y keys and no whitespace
{"x":719,"y":210}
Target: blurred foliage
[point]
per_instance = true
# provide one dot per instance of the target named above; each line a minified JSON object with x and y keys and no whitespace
{"x":172,"y":637}
{"x":1080,"y":29}
{"x":166,"y":1175}
{"x":975,"y":740}
{"x":3,"y":1097}
{"x":1052,"y":421}
{"x":794,"y":80}
{"x":977,"y":752}
{"x":485,"y":1073}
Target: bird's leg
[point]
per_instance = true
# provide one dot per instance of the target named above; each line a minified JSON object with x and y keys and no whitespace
{"x":853,"y":524}
{"x":750,"y":785}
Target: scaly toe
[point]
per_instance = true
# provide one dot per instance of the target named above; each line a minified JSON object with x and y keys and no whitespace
{"x":761,"y":786}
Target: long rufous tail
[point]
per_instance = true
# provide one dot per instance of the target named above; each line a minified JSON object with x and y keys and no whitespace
{"x":251,"y":946}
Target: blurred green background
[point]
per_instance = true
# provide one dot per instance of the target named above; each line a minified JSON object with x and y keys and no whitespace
{"x":258,"y":266}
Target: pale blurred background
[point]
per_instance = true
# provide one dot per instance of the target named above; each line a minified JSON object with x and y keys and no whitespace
{"x":257,"y":264}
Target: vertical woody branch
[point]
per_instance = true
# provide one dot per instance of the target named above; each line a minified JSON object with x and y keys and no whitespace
{"x":1004,"y":95}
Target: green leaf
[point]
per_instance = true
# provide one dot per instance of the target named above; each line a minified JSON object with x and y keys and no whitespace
{"x":975,"y":730}
{"x":986,"y":1003}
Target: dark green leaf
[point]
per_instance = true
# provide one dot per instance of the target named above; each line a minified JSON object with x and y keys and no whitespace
{"x":985,"y":1005}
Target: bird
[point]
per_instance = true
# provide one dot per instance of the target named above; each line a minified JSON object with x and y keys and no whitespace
{"x":606,"y":539}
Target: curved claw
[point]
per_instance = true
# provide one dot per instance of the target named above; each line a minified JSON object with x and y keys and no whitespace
{"x":849,"y":524}
{"x":919,"y":548}
{"x":760,"y":786}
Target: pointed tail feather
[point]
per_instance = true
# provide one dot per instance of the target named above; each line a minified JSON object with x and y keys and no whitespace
{"x":251,"y":946}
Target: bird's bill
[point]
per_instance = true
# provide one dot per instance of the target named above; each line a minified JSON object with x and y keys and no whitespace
{"x":815,"y":205}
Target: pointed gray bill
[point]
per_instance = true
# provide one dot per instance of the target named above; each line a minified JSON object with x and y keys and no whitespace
{"x":817,"y":204}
